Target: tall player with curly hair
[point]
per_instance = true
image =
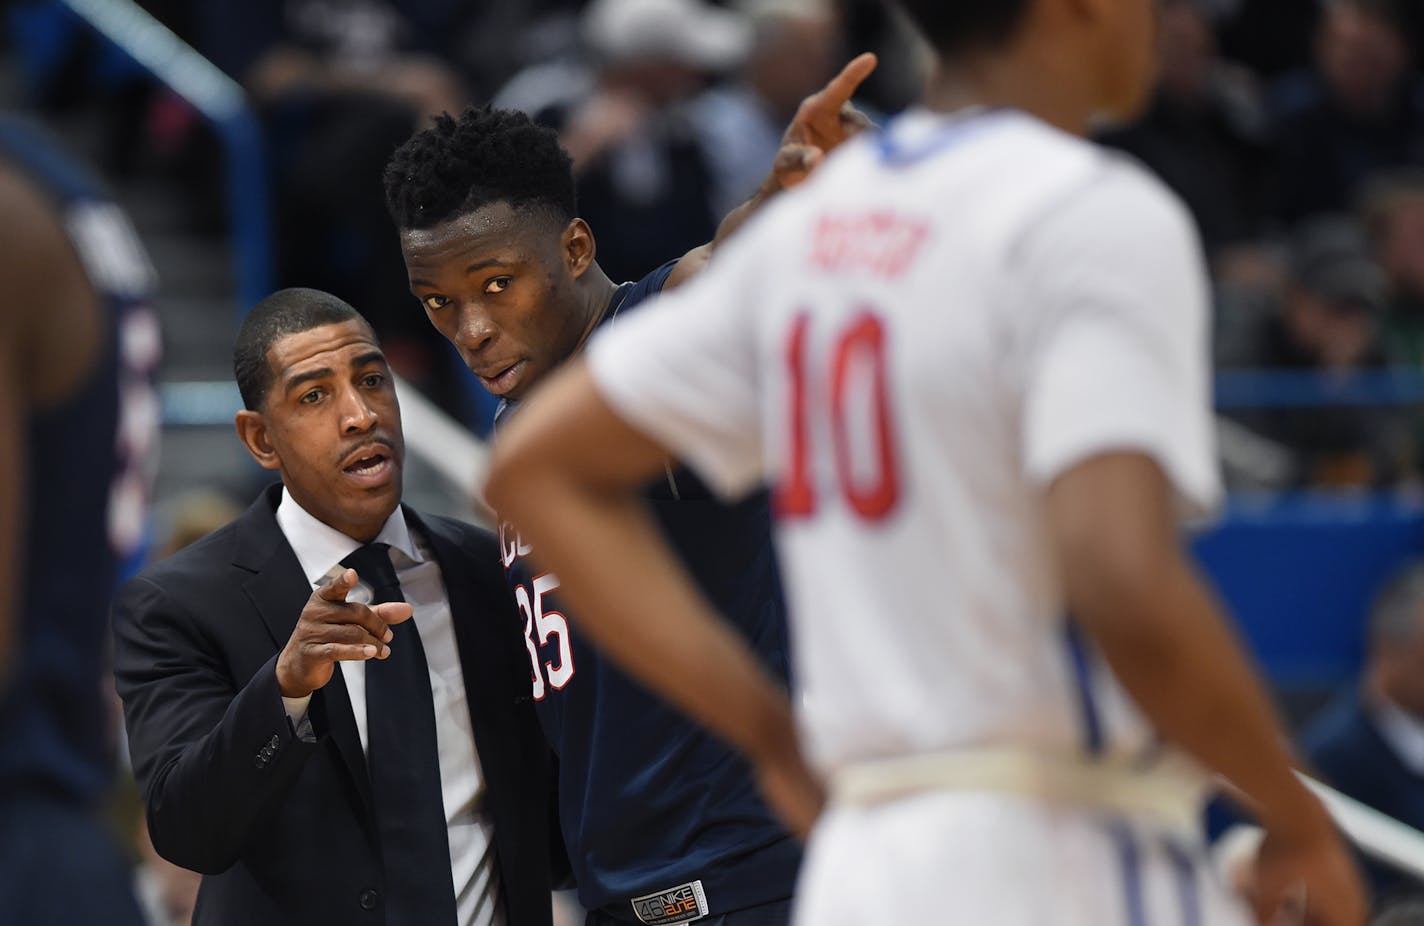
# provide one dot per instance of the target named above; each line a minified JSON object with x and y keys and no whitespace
{"x":662,"y":820}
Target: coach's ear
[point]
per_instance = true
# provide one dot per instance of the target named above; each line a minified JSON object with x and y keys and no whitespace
{"x":252,"y":431}
{"x":578,"y":247}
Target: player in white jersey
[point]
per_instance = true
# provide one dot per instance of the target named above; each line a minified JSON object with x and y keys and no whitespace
{"x":970,"y":355}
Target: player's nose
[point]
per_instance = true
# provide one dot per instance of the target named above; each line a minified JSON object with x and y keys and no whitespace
{"x":475,"y":331}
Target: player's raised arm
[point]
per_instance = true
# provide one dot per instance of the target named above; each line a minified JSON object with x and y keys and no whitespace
{"x":823,"y":121}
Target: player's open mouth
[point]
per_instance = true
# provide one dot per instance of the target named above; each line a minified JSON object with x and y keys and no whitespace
{"x":504,"y":379}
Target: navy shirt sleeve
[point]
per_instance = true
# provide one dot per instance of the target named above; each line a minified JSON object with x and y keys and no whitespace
{"x":630,"y":295}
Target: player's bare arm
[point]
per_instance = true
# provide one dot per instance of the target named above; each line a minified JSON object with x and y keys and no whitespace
{"x":566,"y":471}
{"x":824,"y":120}
{"x":331,"y":630}
{"x":49,"y":339}
{"x":1131,"y":588}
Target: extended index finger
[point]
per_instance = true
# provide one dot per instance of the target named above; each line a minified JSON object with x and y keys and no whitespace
{"x":843,"y":86}
{"x":339,"y":587}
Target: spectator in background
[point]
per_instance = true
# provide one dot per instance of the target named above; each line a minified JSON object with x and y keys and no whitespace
{"x":795,"y":47}
{"x":1272,"y":37}
{"x":1205,"y":134}
{"x":1360,"y":111}
{"x":1392,"y":210}
{"x":622,"y":110}
{"x":341,"y":83}
{"x":1327,"y":321}
{"x":644,"y":177}
{"x":1370,"y":742}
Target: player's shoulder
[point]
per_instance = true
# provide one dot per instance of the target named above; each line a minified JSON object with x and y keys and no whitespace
{"x":1113,"y":201}
{"x":1089,"y":173}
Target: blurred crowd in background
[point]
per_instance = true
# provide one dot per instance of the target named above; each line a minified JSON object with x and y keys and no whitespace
{"x":1294,"y":131}
{"x":672,"y":110}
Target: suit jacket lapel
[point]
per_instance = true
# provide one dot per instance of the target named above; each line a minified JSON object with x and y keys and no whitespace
{"x":480,"y":660}
{"x":278,"y":589}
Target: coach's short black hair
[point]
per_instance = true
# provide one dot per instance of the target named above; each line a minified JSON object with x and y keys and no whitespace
{"x":486,"y":156}
{"x":287,"y":311}
{"x":953,"y":26}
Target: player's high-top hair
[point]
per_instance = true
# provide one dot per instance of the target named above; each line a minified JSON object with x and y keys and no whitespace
{"x":955,"y":26}
{"x":287,"y":311}
{"x":486,"y":156}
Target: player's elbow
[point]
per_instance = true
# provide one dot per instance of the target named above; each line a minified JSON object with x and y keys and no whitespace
{"x":1116,"y":584}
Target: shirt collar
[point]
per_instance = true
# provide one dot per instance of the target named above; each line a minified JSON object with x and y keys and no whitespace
{"x":320,"y":548}
{"x":1403,"y":731}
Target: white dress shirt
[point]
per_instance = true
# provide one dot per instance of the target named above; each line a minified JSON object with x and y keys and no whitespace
{"x":320,"y":549}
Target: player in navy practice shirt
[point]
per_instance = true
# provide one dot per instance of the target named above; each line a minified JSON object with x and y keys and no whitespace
{"x":78,"y":425}
{"x":663,"y":823}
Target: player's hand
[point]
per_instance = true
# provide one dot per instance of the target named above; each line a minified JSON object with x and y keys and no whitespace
{"x":822,"y":123}
{"x":791,"y":789}
{"x":1307,"y":879}
{"x":332,"y":629}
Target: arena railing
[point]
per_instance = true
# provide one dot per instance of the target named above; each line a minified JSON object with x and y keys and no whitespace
{"x":223,"y":103}
{"x":1247,"y":389}
{"x":1379,"y":836}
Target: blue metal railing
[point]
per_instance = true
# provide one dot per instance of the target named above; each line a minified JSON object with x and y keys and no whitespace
{"x":1242,"y":389}
{"x":220,"y":100}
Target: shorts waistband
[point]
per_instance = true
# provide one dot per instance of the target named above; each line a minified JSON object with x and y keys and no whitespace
{"x":1171,"y":792}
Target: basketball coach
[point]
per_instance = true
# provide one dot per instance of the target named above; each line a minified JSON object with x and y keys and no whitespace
{"x":327,"y":701}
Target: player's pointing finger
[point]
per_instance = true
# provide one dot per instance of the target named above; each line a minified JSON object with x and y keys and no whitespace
{"x":843,"y":86}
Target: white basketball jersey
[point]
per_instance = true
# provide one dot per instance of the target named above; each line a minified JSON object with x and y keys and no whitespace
{"x":910,"y":349}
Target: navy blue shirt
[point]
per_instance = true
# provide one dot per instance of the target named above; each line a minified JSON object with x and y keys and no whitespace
{"x":648,"y":800}
{"x":87,"y":468}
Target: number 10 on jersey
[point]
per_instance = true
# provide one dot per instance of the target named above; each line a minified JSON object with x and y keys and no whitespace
{"x":855,"y":379}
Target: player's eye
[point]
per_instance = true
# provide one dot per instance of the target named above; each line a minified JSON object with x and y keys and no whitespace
{"x":372,"y":380}
{"x":497,"y":285}
{"x":310,"y":397}
{"x":435,"y":303}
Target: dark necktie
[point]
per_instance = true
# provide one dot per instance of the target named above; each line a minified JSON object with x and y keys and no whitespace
{"x":403,"y":757}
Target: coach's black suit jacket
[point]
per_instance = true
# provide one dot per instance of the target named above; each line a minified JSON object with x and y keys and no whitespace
{"x":283,"y":830}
